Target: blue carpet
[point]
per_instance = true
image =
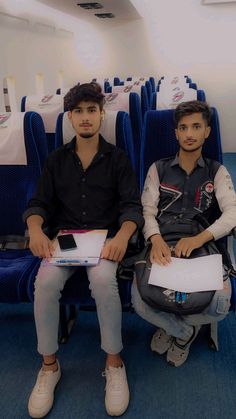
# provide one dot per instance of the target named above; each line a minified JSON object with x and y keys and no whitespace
{"x":203,"y":388}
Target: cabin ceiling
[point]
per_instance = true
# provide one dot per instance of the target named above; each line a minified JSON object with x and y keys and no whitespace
{"x":120,"y":9}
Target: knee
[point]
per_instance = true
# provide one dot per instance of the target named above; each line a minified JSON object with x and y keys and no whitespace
{"x":46,"y":285}
{"x":220,"y":305}
{"x":103,"y":277}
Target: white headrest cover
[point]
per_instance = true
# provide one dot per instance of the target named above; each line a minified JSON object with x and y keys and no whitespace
{"x":107,"y":130}
{"x":49,"y":107}
{"x":68,"y":131}
{"x":12,"y":142}
{"x":108,"y":127}
{"x":116,"y":102}
{"x":167,"y":99}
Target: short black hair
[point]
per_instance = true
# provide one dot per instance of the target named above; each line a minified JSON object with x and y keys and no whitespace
{"x":193,"y":106}
{"x":84,"y":92}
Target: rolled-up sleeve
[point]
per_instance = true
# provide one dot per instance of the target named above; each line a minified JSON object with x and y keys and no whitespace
{"x":150,"y":200}
{"x":226,"y":197}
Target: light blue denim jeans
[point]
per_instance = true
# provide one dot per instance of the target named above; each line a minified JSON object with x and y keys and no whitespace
{"x":182,"y":326}
{"x":49,"y":283}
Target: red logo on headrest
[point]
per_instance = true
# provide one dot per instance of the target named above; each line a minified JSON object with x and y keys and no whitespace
{"x":111,"y":97}
{"x":127,"y":88}
{"x":178,"y":96}
{"x":46,"y":99}
{"x":175,"y":80}
{"x":3,"y":118}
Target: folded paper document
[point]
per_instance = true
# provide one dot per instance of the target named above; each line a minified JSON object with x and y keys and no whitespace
{"x":189,"y":275}
{"x":89,"y":246}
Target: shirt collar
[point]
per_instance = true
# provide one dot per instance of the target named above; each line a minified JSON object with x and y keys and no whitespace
{"x":103,"y":148}
{"x":200,"y":161}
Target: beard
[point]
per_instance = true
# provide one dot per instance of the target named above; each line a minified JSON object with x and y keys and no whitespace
{"x":86,"y":135}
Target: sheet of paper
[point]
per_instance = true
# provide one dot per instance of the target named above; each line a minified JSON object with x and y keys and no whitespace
{"x":189,"y":275}
{"x":89,"y":245}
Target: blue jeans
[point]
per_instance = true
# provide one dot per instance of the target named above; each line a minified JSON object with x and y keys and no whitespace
{"x":49,"y":283}
{"x":182,"y":326}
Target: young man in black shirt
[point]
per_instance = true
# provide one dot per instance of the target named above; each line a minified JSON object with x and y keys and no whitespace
{"x":86,"y":184}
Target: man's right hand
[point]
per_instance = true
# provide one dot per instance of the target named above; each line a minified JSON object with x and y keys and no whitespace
{"x":39,"y":244}
{"x":160,"y":251}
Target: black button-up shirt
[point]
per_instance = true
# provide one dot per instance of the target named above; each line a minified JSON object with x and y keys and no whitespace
{"x":103,"y":196}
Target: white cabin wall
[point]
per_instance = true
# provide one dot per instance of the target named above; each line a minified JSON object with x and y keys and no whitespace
{"x":46,"y":41}
{"x":173,"y":37}
{"x":186,"y":37}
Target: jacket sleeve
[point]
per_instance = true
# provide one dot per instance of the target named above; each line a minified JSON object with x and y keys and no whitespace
{"x":150,"y":200}
{"x":226,"y":197}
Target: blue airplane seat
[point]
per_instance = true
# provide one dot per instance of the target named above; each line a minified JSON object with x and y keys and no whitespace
{"x":159,"y":141}
{"x":116,"y":128}
{"x":18,"y":179}
{"x":153,"y":83}
{"x":49,"y":115}
{"x":201,"y":95}
{"x":131,"y":103}
{"x":116,"y":81}
{"x":149,"y":90}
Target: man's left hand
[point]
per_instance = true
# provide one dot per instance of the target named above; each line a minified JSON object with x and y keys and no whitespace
{"x":185,"y":246}
{"x":115,"y":249}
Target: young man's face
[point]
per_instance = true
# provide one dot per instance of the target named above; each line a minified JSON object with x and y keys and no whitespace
{"x":86,"y":119}
{"x":191,"y":132}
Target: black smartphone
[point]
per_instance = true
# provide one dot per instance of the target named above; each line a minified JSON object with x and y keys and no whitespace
{"x":66,"y":242}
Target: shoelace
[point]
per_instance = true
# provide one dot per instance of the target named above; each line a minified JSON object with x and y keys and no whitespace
{"x":42,"y":382}
{"x":114,"y":378}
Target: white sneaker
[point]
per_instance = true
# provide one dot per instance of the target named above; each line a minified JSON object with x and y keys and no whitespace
{"x":117,"y":391}
{"x":161,"y":342}
{"x":42,"y":396}
{"x":179,"y":350}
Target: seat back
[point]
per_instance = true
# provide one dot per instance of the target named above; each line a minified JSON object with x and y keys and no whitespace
{"x":159,"y":141}
{"x":48,"y":107}
{"x":18,"y":178}
{"x":129,"y":103}
{"x":116,"y":129}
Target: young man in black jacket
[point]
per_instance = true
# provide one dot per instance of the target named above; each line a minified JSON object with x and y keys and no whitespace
{"x":86,"y":184}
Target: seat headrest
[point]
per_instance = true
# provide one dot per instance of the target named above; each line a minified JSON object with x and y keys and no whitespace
{"x":108,"y":128}
{"x":48,"y":107}
{"x":12,"y":141}
{"x":117,"y":102}
{"x":128,"y":87}
{"x":170,"y":98}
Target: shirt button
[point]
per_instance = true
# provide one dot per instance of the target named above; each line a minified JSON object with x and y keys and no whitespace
{"x":83,"y":179}
{"x":84,"y":213}
{"x":83,"y":196}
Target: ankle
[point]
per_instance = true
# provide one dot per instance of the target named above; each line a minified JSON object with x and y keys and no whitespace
{"x":51,"y":366}
{"x":114,"y":361}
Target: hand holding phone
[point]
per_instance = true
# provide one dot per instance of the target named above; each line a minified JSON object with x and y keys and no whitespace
{"x":66,"y":242}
